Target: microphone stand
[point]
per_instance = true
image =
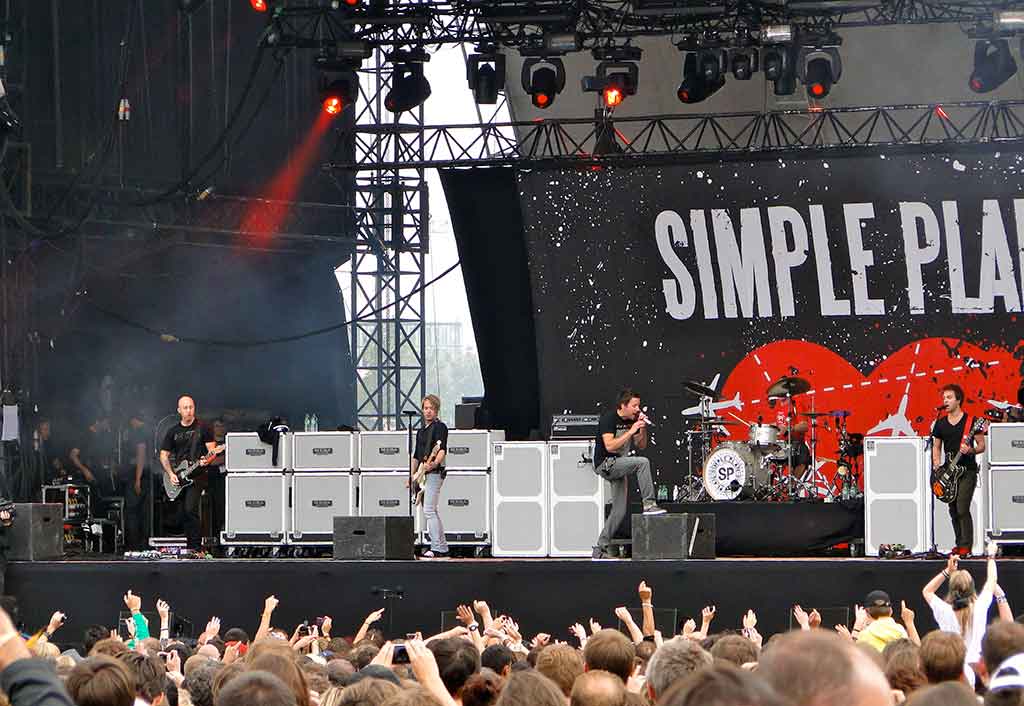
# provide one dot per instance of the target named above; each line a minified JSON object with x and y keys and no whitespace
{"x":408,"y":426}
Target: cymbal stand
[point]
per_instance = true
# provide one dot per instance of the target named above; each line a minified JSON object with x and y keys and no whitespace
{"x":813,"y":478}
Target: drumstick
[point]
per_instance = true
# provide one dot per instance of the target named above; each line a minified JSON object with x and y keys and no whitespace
{"x":736,"y":416}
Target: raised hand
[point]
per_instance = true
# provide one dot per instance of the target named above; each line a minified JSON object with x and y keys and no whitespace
{"x":635,"y":683}
{"x":541,"y":640}
{"x":326,"y":626}
{"x":374,"y":616}
{"x":56,"y":620}
{"x":465,"y":615}
{"x":906,"y":614}
{"x":579,"y":633}
{"x":212,"y":627}
{"x":952,"y":563}
{"x":860,"y":617}
{"x":594,"y":626}
{"x":645,"y":592}
{"x":708,"y":614}
{"x":270,"y":604}
{"x":844,"y":631}
{"x":174,"y":662}
{"x":133,"y":602}
{"x":815,"y":618}
{"x":749,"y":620}
{"x":163,"y":609}
{"x":231,"y":652}
{"x":991,"y":549}
{"x":689,"y":627}
{"x":622,"y":613}
{"x":385,"y":656}
{"x":512,"y":628}
{"x":801,"y":617}
{"x":481,"y":607}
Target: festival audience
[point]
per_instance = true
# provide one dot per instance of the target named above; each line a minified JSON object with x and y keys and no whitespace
{"x":487,"y":662}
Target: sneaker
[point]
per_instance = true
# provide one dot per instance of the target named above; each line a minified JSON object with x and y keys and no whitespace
{"x":652,"y":508}
{"x":601,"y":553}
{"x":431,"y":554}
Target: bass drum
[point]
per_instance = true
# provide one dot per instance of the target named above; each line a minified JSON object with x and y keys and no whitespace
{"x":729,"y":469}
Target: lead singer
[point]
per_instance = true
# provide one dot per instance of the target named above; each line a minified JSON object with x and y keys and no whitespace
{"x":617,"y":432}
{"x":432,"y":440}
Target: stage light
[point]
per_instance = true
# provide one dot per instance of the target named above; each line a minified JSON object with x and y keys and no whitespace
{"x":820,"y":68}
{"x":336,"y":96}
{"x":615,"y":80}
{"x":744,"y":63}
{"x":779,"y":67}
{"x":694,"y":88}
{"x":543,"y":79}
{"x":409,"y":88}
{"x":617,"y":87}
{"x":710,"y":64}
{"x":776,"y":34}
{"x":337,"y":83}
{"x":993,"y":65}
{"x":259,"y":5}
{"x":485,"y":73}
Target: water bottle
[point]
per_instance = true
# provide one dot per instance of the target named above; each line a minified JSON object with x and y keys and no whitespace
{"x":662,"y":492}
{"x":308,"y":423}
{"x":316,"y":423}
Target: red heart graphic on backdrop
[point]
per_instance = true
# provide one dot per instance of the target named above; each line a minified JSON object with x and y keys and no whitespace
{"x":898,"y":398}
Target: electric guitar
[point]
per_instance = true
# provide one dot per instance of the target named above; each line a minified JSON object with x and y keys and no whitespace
{"x":421,"y":472}
{"x":946,"y":478}
{"x":187,"y":472}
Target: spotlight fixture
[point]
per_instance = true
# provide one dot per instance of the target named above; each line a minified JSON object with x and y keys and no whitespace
{"x":779,"y":67}
{"x":614,"y":80}
{"x":993,"y":65}
{"x":409,"y":87}
{"x":337,"y":82}
{"x":776,"y":34}
{"x":543,"y":79}
{"x":744,"y":63}
{"x":259,"y":5}
{"x":695,"y":86}
{"x":485,"y":73}
{"x":819,"y":68}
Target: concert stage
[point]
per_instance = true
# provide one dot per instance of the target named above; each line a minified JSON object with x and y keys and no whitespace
{"x":544,"y":594}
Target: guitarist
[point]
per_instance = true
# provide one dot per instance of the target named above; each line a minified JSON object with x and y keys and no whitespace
{"x":428,"y":453}
{"x":189,"y":440}
{"x":949,"y":436}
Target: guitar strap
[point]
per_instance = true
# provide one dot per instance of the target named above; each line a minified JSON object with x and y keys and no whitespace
{"x":195,"y":441}
{"x":967,"y":432}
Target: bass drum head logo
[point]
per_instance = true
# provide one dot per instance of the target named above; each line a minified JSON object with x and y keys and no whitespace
{"x":725,"y":474}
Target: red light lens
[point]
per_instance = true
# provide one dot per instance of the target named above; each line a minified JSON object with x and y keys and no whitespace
{"x":333,"y":105}
{"x":612,"y":97}
{"x":259,"y":5}
{"x":817,"y":89}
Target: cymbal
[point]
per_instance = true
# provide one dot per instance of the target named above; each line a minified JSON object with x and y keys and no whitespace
{"x":715,"y":421}
{"x":815,"y":415}
{"x":840,"y":413}
{"x":700,"y":389}
{"x":789,"y":386}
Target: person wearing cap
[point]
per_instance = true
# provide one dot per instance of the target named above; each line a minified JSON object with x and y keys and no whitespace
{"x":878,"y":628}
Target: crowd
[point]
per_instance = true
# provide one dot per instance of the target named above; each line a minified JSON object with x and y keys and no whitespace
{"x":485,"y":660}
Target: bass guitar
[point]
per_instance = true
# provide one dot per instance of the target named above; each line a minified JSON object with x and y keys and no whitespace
{"x":421,"y":472}
{"x":187,"y":472}
{"x":946,"y":478}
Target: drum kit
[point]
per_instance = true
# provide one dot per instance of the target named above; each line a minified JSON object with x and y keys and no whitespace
{"x":773,"y":463}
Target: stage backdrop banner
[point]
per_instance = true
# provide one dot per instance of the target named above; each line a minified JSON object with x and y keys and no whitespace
{"x":877,"y":278}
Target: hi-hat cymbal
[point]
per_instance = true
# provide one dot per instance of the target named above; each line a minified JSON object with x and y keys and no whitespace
{"x":699,"y":389}
{"x":840,"y":413}
{"x":814,"y":415}
{"x":789,"y":386}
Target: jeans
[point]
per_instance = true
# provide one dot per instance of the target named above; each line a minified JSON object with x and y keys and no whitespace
{"x":190,"y":516}
{"x":431,"y":497}
{"x":617,"y":469}
{"x":960,"y":510}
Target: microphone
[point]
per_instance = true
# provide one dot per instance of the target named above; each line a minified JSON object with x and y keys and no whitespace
{"x":410,"y":413}
{"x":940,"y":408}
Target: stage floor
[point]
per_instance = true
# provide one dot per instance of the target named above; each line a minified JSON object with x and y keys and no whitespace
{"x":544,"y":595}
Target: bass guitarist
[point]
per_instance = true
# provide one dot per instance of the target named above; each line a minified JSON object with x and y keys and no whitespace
{"x":188,"y":440}
{"x":950,"y":435}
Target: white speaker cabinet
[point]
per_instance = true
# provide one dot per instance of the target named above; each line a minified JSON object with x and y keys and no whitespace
{"x":245,"y":453}
{"x":465,"y":509}
{"x":520,"y":517}
{"x":255,"y":507}
{"x":316,"y":499}
{"x":383,"y":494}
{"x":896,"y":471}
{"x":577,"y":499}
{"x":323,"y":451}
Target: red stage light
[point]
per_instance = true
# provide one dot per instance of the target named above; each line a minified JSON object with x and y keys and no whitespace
{"x":333,"y":105}
{"x":612,"y":96}
{"x":352,"y":3}
{"x":817,"y":90}
{"x":541,"y":100}
{"x":259,"y":5}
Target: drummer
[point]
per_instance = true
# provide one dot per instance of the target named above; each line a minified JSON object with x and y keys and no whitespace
{"x":801,"y":454}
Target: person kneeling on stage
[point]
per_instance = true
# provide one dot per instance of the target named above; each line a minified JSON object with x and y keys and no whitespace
{"x":617,"y":433}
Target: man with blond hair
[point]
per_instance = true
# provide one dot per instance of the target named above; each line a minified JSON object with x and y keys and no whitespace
{"x":431,"y":449}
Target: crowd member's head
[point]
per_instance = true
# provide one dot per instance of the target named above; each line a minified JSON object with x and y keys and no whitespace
{"x":1002,"y":640}
{"x":904,"y":671}
{"x":92,"y":635}
{"x":362,"y":654}
{"x":611,"y":651}
{"x":598,"y":688}
{"x":675,"y":659}
{"x":878,"y":605}
{"x":497,"y":658}
{"x":457,"y":661}
{"x":962,"y":596}
{"x":256,"y":689}
{"x":148,"y":672}
{"x":236,"y":635}
{"x":194,"y":662}
{"x":561,"y":664}
{"x":199,"y":684}
{"x":413,"y":696}
{"x":947,"y":694}
{"x":644,"y":652}
{"x":368,"y":692}
{"x":735,"y":649}
{"x":821,"y":668}
{"x":101,"y":681}
{"x":530,"y":688}
{"x":721,"y":685}
{"x":339,"y":672}
{"x":1006,"y":687}
{"x":210,"y":651}
{"x":225,"y":676}
{"x":108,"y":647}
{"x":942,"y":656}
{"x":896,"y":646}
{"x":482,"y":689}
{"x":285,"y":669}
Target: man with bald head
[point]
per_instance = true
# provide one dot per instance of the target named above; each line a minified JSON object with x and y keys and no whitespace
{"x":190,"y":440}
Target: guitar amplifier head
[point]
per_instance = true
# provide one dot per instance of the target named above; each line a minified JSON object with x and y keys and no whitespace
{"x":574,"y":426}
{"x":245,"y":452}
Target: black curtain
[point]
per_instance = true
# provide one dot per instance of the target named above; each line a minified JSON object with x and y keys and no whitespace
{"x":488,"y":225}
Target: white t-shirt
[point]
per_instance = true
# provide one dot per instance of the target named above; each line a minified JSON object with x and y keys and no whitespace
{"x":947,"y":621}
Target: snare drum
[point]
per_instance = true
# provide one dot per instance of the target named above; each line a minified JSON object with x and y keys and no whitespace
{"x":729,"y":469}
{"x":763,"y":436}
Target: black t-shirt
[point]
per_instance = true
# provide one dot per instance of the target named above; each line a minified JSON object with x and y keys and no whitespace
{"x":610,"y":423}
{"x":96,"y":449}
{"x":427,"y":437}
{"x":183,"y":444}
{"x":951,"y":436}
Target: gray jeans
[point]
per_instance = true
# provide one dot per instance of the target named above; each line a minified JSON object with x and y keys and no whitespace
{"x":616,"y":469}
{"x":431,"y":497}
